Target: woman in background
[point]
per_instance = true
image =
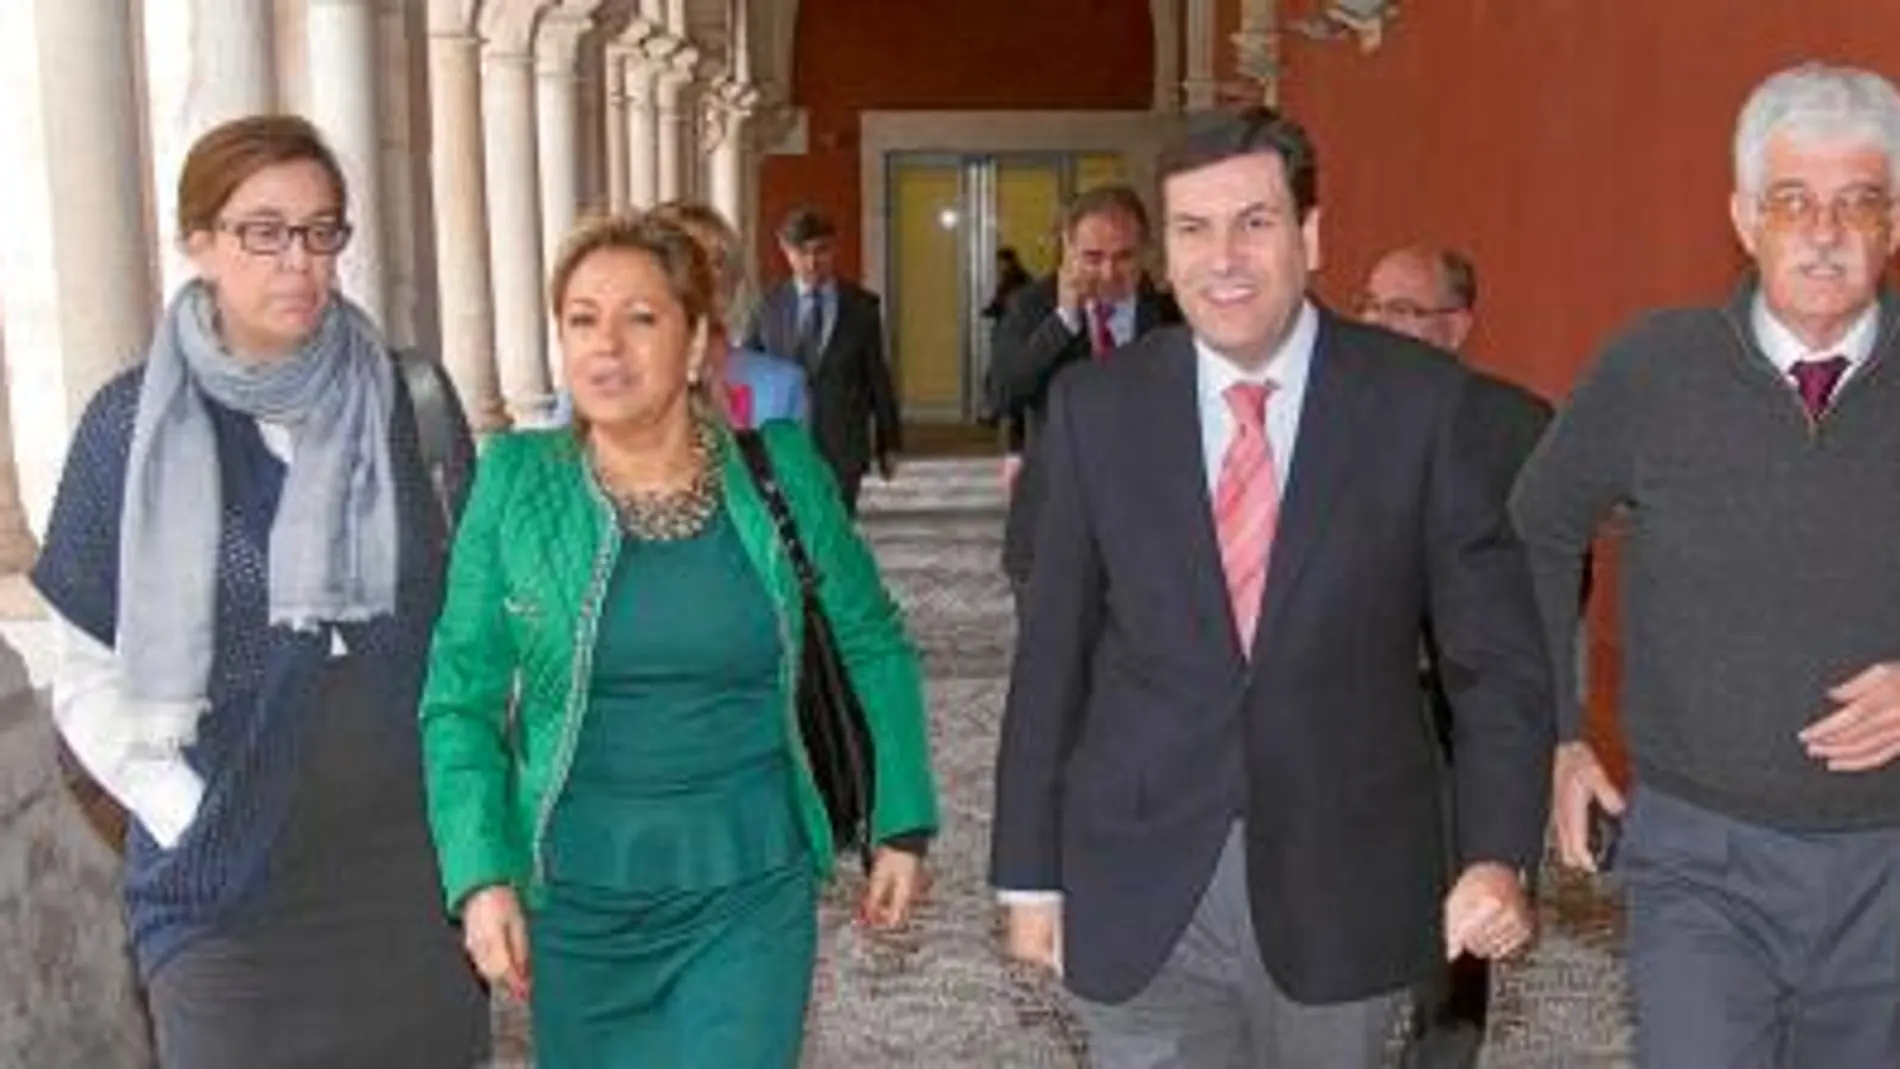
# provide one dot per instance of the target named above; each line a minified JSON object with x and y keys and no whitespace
{"x":759,"y":386}
{"x":244,"y":562}
{"x":622,"y":805}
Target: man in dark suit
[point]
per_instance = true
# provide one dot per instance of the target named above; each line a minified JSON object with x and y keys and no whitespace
{"x":1215,"y":806}
{"x":1098,"y":300}
{"x":1432,"y":294}
{"x":836,"y":330}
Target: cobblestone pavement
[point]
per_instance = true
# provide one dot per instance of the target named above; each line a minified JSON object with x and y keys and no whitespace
{"x":939,"y":996}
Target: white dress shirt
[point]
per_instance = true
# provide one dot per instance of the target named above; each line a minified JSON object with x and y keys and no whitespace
{"x":1784,"y":349}
{"x":1121,"y":320}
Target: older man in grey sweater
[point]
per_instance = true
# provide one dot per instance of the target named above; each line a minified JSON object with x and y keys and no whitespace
{"x":1756,"y":449}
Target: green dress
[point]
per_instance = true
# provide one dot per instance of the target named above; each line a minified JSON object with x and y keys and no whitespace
{"x":680,"y":923}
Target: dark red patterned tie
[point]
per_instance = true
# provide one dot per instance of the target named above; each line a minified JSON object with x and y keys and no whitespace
{"x":1815,"y":380}
{"x":1101,"y":332}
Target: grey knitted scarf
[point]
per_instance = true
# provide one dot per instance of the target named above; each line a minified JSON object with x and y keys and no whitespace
{"x":333,"y":540}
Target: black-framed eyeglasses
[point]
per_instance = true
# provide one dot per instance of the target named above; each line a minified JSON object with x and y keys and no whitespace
{"x":272,"y":237}
{"x":1368,"y":307}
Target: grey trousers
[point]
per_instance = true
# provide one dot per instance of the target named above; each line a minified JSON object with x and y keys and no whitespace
{"x":1213,"y":1006}
{"x":1752,"y":948}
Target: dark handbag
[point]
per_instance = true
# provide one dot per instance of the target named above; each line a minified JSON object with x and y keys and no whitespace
{"x":831,"y":720}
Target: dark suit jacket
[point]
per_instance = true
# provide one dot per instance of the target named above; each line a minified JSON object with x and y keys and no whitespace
{"x":854,"y":412}
{"x":1136,"y":732}
{"x":1511,"y":421}
{"x":1029,"y":348}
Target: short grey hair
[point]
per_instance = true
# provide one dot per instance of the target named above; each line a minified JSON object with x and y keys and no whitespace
{"x":1817,"y":100}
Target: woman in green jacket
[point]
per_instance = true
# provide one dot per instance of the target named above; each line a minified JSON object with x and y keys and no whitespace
{"x":622,"y":806}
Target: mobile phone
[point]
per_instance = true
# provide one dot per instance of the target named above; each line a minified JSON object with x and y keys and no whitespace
{"x":1602,"y":836}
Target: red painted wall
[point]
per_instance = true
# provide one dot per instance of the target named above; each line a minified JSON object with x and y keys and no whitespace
{"x":858,"y":55}
{"x":1579,"y":149}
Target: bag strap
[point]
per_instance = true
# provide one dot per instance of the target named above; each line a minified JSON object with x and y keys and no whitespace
{"x":759,"y":462}
{"x":435,"y":425}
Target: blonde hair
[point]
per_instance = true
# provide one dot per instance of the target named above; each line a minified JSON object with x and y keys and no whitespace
{"x":682,"y":259}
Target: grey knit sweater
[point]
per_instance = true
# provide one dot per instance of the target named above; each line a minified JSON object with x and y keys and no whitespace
{"x":1761,"y":564}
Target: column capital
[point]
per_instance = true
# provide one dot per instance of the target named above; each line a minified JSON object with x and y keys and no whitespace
{"x":557,"y":42}
{"x":662,"y":46}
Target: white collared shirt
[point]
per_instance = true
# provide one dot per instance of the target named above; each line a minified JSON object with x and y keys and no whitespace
{"x":1121,"y":320}
{"x":1784,"y":349}
{"x":1288,"y":369}
{"x":827,"y":307}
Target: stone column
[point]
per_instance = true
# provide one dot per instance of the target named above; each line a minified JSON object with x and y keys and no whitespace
{"x":556,"y":101}
{"x":732,"y":104}
{"x":76,"y":266}
{"x":345,"y":100}
{"x":17,"y":547}
{"x":643,"y":165}
{"x":72,"y":998}
{"x":460,"y":190}
{"x":614,"y":70}
{"x":412,"y":316}
{"x":206,"y":62}
{"x":514,"y":207}
{"x":670,"y":120}
{"x":1199,"y":32}
{"x":1166,"y":16}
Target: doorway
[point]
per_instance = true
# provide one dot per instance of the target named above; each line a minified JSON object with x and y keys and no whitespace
{"x":949,"y":214}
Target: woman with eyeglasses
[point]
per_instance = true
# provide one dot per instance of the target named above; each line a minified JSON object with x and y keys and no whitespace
{"x":244,"y":561}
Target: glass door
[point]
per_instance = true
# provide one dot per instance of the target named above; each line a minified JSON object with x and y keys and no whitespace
{"x":950,"y":214}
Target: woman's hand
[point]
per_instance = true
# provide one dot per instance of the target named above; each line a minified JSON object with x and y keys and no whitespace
{"x":495,"y":932}
{"x":897,"y":878}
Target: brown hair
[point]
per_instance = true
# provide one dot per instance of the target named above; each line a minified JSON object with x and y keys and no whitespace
{"x":229,"y":154}
{"x":688,"y":269}
{"x":712,"y":231}
{"x":1211,"y":137}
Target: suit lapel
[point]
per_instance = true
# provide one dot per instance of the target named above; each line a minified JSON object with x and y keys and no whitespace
{"x":1147,"y":311}
{"x":1322,"y":462}
{"x":1181,"y":499}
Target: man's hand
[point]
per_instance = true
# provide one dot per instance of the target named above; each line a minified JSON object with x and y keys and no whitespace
{"x":1486,"y":914}
{"x":1033,"y":934}
{"x":1864,"y":733}
{"x":1075,"y":283}
{"x":1577,"y":782}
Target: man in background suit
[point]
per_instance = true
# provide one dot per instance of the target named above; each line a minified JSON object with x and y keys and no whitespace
{"x":835,"y":329}
{"x":1432,"y":294}
{"x":1098,"y":300}
{"x":1215,"y":806}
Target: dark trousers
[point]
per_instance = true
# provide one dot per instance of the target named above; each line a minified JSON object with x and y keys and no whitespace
{"x":1754,"y":948}
{"x":1448,"y":1016}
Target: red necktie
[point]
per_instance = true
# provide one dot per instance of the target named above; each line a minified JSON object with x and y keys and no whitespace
{"x":1247,"y":506}
{"x":1815,"y":381}
{"x":1101,"y":336}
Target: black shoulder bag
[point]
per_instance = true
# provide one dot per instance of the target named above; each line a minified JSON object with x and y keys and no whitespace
{"x":831,"y":720}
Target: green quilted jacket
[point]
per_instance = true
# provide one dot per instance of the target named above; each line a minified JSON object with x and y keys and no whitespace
{"x":512,"y":653}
